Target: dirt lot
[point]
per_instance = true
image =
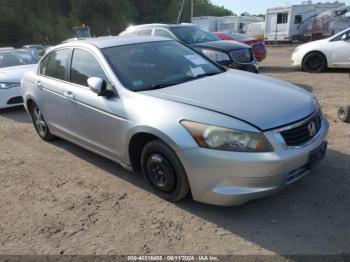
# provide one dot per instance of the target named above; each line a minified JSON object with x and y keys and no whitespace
{"x":56,"y":198}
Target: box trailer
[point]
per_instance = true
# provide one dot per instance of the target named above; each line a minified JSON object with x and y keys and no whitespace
{"x":290,"y":22}
{"x":208,"y":23}
{"x":236,"y":24}
{"x":256,"y":30}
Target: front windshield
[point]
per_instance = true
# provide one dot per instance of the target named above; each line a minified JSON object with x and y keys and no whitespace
{"x":155,"y":65}
{"x":194,"y":35}
{"x":8,"y":59}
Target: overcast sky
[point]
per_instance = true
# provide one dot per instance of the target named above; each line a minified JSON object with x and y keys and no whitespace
{"x":260,"y":6}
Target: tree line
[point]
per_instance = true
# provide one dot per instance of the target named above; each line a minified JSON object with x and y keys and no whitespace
{"x":38,"y":21}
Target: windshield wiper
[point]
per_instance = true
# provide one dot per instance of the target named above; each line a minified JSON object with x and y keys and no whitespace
{"x":164,"y":85}
{"x":205,"y":75}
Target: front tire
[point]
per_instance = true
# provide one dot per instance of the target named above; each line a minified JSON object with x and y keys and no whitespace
{"x":164,"y":171}
{"x":315,"y":63}
{"x":40,"y":125}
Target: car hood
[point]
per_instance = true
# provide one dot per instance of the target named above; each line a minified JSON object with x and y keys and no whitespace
{"x":313,"y":44}
{"x":15,"y":73}
{"x":222,"y":45}
{"x":264,"y":102}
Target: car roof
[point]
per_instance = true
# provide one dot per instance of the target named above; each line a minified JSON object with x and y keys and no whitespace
{"x":145,"y":26}
{"x":109,"y":41}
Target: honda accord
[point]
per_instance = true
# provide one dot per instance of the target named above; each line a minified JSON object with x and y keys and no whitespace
{"x":191,"y":126}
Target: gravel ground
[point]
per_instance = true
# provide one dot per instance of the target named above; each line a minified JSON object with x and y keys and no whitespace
{"x":56,"y":198}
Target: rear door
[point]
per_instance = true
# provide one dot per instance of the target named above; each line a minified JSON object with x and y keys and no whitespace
{"x":52,"y":84}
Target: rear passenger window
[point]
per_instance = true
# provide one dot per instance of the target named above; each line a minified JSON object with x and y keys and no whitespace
{"x":43,"y":66}
{"x":146,"y":32}
{"x":56,"y":64}
{"x":163,"y":33}
{"x":84,"y":66}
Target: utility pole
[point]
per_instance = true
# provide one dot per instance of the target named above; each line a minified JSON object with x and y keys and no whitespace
{"x":180,"y":12}
{"x":192,"y":11}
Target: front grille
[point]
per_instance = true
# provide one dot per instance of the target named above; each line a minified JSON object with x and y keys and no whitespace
{"x":243,"y":56}
{"x":15,"y":100}
{"x":303,"y":133}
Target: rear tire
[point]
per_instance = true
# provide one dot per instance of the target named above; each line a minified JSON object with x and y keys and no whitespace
{"x":315,"y":63}
{"x":39,"y":123}
{"x":344,"y":114}
{"x":164,"y":171}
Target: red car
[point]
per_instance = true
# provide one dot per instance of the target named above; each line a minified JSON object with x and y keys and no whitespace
{"x":258,"y":46}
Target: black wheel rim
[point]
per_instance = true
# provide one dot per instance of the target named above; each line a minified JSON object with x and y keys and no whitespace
{"x":160,"y":173}
{"x":39,"y":122}
{"x":314,"y":63}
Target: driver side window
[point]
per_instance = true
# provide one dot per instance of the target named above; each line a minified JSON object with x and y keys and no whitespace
{"x":341,"y":37}
{"x":84,"y":65}
{"x":347,"y":35}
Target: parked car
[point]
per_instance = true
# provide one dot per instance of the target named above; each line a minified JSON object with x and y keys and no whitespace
{"x":257,"y":45}
{"x":231,"y":55}
{"x":36,"y":49}
{"x":317,"y":56}
{"x":13,"y":65}
{"x":190,"y":125}
{"x":6,"y":48}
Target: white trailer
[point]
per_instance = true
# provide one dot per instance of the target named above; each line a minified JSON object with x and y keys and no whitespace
{"x":256,"y":30}
{"x":236,"y":24}
{"x":208,"y":23}
{"x":289,"y":23}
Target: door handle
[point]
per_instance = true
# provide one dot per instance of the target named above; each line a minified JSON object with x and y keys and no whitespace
{"x":39,"y":84}
{"x":69,"y":94}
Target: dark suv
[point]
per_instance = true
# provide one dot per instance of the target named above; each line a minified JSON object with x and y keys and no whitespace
{"x":227,"y":53}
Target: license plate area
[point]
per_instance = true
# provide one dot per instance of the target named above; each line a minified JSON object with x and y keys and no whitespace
{"x":317,"y":155}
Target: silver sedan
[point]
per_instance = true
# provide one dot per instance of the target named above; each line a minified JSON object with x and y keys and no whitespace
{"x":189,"y":125}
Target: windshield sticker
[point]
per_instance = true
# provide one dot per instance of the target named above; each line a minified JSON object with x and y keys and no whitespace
{"x":197,"y":60}
{"x":197,"y":71}
{"x":137,"y":83}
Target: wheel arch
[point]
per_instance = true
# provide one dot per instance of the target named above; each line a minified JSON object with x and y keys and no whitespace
{"x":139,"y":138}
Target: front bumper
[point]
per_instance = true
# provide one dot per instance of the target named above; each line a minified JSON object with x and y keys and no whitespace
{"x":253,"y":67}
{"x":296,"y":59}
{"x":233,"y":178}
{"x":10,"y":97}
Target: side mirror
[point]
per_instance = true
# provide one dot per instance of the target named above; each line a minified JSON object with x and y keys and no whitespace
{"x":97,"y":85}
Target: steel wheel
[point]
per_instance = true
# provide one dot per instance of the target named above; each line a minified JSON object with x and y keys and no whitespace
{"x":160,"y":172}
{"x":164,"y":171}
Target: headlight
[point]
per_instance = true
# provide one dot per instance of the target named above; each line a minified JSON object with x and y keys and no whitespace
{"x":216,"y":55}
{"x":4,"y":85}
{"x":318,"y":107}
{"x":225,"y":139}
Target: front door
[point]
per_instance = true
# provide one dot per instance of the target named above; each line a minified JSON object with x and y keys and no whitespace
{"x":341,"y":50}
{"x":94,"y":120}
